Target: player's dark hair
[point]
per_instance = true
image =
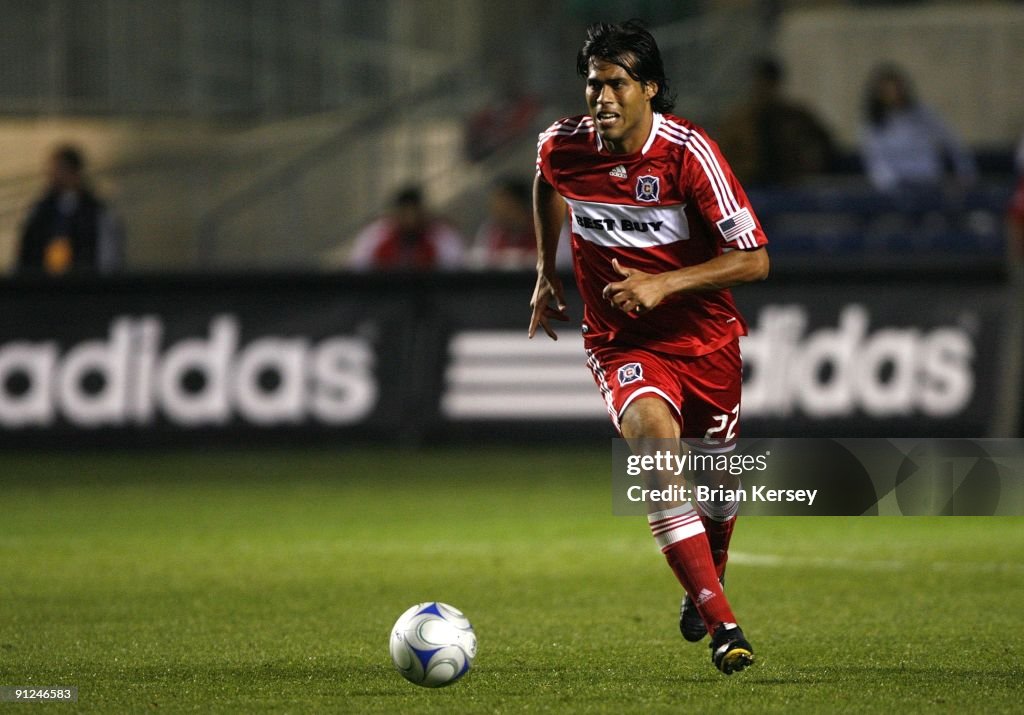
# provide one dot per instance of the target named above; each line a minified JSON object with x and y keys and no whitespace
{"x":769,"y":69}
{"x":630,"y":46}
{"x":875,"y":109}
{"x":411,"y":195}
{"x":70,"y":157}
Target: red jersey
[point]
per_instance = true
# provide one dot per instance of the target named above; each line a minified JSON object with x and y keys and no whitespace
{"x":672,"y":204}
{"x":383,"y":245}
{"x":1016,"y":207}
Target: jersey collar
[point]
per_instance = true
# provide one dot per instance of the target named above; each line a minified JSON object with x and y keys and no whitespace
{"x":655,"y":123}
{"x":654,"y":132}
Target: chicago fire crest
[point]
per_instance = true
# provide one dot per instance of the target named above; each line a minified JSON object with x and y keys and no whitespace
{"x":647,"y":188}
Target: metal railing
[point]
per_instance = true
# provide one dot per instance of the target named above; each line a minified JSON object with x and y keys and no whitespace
{"x":319,"y":199}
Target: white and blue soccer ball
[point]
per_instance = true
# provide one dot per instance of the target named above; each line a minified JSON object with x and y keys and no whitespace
{"x":433,"y":644}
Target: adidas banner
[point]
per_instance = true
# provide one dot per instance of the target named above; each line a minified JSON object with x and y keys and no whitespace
{"x":412,"y":357}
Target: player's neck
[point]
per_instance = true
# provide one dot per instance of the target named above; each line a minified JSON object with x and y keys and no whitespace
{"x":634,"y":141}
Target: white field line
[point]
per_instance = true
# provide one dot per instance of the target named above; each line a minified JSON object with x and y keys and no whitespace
{"x":852,"y":564}
{"x":449,"y":549}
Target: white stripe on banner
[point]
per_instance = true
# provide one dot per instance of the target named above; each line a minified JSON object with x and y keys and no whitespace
{"x":490,"y":374}
{"x":499,"y":374}
{"x":523,"y":405}
{"x":514,"y":344}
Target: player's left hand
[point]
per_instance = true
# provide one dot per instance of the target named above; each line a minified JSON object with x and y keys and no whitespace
{"x":637,"y":293}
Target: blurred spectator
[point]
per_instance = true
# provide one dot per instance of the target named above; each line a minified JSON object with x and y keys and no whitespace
{"x":1015,"y":213}
{"x":69,"y":229}
{"x":503,"y":122}
{"x":905,"y":144}
{"x":771,"y":139}
{"x":407,"y":238}
{"x":506,"y":238}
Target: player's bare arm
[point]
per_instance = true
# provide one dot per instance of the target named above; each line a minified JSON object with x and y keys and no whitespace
{"x":548,"y":302}
{"x":639,"y":292}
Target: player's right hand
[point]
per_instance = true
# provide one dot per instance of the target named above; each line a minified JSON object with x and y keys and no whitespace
{"x":548,"y":289}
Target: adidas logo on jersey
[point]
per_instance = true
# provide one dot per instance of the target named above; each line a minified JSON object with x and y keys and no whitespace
{"x":619,"y":172}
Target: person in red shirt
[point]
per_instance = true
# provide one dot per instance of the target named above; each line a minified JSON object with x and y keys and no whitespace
{"x":409,"y":238}
{"x":1015,"y":214}
{"x":505,"y":240}
{"x":660,"y":231}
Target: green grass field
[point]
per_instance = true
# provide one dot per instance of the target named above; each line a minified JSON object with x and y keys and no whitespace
{"x":267,"y":581}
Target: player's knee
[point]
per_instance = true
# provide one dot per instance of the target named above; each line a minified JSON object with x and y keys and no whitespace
{"x":650,"y":418}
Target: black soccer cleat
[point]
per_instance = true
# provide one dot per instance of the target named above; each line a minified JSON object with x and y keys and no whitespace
{"x":691,"y":625}
{"x":730,"y":651}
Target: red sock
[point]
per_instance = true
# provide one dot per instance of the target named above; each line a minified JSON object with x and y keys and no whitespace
{"x":681,"y":536}
{"x":719,"y":533}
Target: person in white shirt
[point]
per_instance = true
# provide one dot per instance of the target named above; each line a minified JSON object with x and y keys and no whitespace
{"x":906,"y":144}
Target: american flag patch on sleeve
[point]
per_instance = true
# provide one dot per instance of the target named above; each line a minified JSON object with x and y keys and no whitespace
{"x":734,"y":227}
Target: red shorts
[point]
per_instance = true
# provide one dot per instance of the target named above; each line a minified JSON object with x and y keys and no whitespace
{"x":703,"y":392}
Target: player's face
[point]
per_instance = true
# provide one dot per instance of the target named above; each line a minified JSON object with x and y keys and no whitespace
{"x":892,"y":93}
{"x":61,"y":176}
{"x":620,"y":106}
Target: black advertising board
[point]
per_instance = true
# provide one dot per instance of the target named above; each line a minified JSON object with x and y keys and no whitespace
{"x":167,"y":359}
{"x":163,"y":358}
{"x":863,"y":359}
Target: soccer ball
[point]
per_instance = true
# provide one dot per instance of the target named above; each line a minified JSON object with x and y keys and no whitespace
{"x":433,"y":644}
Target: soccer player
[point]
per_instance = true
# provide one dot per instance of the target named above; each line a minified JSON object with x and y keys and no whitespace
{"x":660,"y":231}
